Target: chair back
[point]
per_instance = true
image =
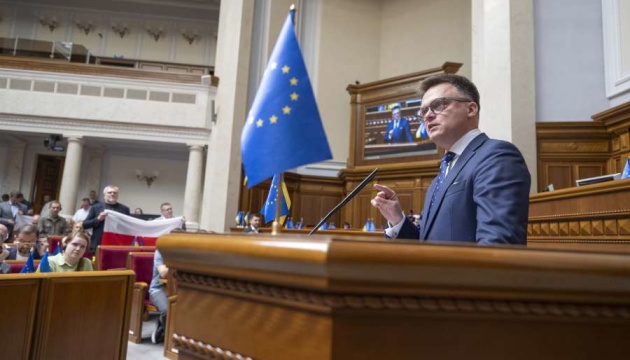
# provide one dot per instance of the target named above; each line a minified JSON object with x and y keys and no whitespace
{"x":54,"y":242}
{"x":17,"y":265}
{"x":142,"y":264}
{"x":115,"y":257}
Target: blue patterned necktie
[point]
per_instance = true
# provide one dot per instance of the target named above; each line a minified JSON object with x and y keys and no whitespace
{"x":443,"y":166}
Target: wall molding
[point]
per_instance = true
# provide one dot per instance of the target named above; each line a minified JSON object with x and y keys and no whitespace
{"x":104,"y":129}
{"x":617,"y":82}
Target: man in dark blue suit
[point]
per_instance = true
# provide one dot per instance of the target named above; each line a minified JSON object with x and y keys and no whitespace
{"x":482,"y":192}
{"x":398,"y":130}
{"x":96,"y":216}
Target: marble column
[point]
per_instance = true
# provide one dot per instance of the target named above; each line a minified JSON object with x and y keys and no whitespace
{"x":192,"y":193}
{"x":223,"y":163}
{"x":14,"y":167}
{"x":70,"y":179}
{"x":503,"y":68}
{"x":93,"y":175}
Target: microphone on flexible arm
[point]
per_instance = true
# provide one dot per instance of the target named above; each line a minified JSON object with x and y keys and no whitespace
{"x":352,"y":194}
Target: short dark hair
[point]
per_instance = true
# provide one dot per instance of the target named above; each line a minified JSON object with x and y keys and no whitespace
{"x":461,"y":83}
{"x":164,"y":204}
{"x":86,"y":199}
{"x":252,"y":215}
{"x":28,"y":229}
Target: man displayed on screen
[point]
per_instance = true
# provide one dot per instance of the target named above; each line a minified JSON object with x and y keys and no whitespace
{"x":398,"y":130}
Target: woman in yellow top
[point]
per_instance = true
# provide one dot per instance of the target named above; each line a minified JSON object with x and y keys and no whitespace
{"x":71,"y":258}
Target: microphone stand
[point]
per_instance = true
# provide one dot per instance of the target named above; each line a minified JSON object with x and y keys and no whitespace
{"x":352,"y":194}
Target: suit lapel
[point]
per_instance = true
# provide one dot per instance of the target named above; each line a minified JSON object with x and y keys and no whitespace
{"x":468,"y":153}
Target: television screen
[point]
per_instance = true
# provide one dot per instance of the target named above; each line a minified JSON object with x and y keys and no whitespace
{"x":394,"y":129}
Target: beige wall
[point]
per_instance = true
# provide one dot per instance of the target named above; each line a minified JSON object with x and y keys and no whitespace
{"x":418,"y":35}
{"x":121,"y":170}
{"x":373,"y":40}
{"x":348,"y":51}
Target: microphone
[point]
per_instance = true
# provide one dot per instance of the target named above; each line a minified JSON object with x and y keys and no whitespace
{"x":343,"y":202}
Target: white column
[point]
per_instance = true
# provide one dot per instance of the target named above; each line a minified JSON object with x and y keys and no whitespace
{"x":93,"y":172}
{"x":192,"y":193}
{"x":503,"y":68}
{"x":14,"y":167}
{"x":70,"y":179}
{"x":223,"y":164}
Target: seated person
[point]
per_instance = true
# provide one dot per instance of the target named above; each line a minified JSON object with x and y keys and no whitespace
{"x":26,"y":241}
{"x":71,"y":258}
{"x":157,"y":295}
{"x":254,"y":223}
{"x":4,"y":267}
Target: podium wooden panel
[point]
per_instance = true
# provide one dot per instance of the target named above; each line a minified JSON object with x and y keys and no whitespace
{"x":335,"y":297}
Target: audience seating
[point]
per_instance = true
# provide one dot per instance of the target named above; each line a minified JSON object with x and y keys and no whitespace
{"x":142,"y":265}
{"x":54,"y":242}
{"x":76,"y":315}
{"x":115,"y":257}
{"x":17,"y":265}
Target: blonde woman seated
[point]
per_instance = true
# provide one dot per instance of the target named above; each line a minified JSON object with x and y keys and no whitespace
{"x":71,"y":258}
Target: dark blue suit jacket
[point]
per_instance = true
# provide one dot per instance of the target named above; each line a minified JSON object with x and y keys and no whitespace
{"x":91,"y":221}
{"x":401,"y":134}
{"x":484,"y":198}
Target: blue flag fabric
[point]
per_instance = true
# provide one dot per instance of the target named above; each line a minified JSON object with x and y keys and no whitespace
{"x":58,"y":249}
{"x":269,"y":208}
{"x":626,"y":170}
{"x":29,"y":267}
{"x":283,"y":129}
{"x":44,"y":265}
{"x":289,"y":223}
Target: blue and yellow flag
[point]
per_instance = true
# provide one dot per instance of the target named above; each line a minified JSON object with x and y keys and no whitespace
{"x":44,"y":265}
{"x":283,"y":129}
{"x":29,"y":266}
{"x":626,"y":170}
{"x":269,"y":209}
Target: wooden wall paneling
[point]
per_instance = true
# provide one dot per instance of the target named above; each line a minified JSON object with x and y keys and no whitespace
{"x":19,"y":308}
{"x":558,"y":174}
{"x":586,"y":170}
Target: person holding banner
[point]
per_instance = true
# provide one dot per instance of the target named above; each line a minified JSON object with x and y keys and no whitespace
{"x":97,"y":215}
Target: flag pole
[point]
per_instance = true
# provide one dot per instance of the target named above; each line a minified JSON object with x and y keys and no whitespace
{"x":276,"y":227}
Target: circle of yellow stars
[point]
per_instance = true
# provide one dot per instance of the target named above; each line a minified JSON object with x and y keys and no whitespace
{"x":294,"y":96}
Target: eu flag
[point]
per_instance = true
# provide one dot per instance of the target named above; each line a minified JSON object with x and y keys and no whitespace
{"x":44,"y":265}
{"x":283,"y":129}
{"x":29,"y":266}
{"x":269,"y":209}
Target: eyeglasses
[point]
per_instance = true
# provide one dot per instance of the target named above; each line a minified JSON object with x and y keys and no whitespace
{"x":438,"y":105}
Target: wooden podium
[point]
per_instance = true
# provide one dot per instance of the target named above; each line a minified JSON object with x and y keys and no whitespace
{"x":332,"y":297}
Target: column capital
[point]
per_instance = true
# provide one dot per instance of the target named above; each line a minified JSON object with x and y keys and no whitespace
{"x":77,"y":139}
{"x":195,"y":147}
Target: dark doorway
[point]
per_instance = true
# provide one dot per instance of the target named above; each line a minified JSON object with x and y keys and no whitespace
{"x":47,"y":180}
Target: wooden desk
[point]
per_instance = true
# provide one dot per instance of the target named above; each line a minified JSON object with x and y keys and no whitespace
{"x":595,"y":217}
{"x":334,"y":297}
{"x":74,"y":315}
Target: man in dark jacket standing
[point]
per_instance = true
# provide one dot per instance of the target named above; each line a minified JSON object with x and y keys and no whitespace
{"x":96,"y":217}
